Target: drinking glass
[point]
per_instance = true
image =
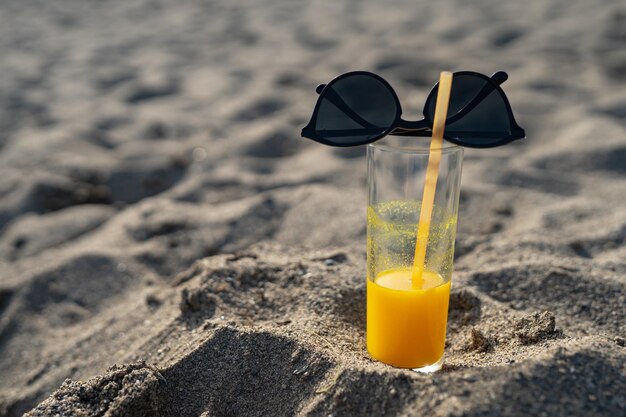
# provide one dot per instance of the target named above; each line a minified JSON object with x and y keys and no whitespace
{"x":406,"y":321}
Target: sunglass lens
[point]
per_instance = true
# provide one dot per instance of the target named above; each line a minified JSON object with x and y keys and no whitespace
{"x":477,"y":114}
{"x":355,"y":109}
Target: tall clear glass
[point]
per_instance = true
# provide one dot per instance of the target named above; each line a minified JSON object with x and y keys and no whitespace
{"x":406,"y":323}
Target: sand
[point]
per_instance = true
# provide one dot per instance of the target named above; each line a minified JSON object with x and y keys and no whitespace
{"x":170,"y":246}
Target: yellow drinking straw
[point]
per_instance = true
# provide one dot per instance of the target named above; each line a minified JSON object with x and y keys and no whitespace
{"x":432,"y":172}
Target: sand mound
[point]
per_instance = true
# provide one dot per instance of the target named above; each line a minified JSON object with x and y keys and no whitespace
{"x":277,"y":331}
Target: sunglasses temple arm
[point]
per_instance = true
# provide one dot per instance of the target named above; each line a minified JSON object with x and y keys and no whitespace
{"x":498,"y":77}
{"x":334,"y":98}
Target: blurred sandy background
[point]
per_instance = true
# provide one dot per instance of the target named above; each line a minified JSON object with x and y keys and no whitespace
{"x":139,"y":137}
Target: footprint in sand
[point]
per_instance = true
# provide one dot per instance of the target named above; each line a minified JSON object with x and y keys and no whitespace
{"x":545,"y":182}
{"x":504,"y":37}
{"x":615,"y":108}
{"x":277,"y":144}
{"x":609,"y":160}
{"x":144,"y":92}
{"x":262,"y":108}
{"x":32,"y":234}
{"x":61,"y":296}
{"x":553,"y":289}
{"x":305,"y":37}
{"x":134,"y":181}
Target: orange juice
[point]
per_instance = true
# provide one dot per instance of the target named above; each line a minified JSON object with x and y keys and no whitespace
{"x":406,"y":326}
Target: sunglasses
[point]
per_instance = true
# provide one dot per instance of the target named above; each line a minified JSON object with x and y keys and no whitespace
{"x":360,"y":107}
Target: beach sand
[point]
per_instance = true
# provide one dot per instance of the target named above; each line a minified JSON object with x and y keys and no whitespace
{"x":170,"y":246}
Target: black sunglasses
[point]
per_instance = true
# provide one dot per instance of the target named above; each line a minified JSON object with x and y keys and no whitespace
{"x":360,"y":107}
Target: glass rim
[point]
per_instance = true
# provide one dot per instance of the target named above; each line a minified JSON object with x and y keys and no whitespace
{"x":421,"y":150}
